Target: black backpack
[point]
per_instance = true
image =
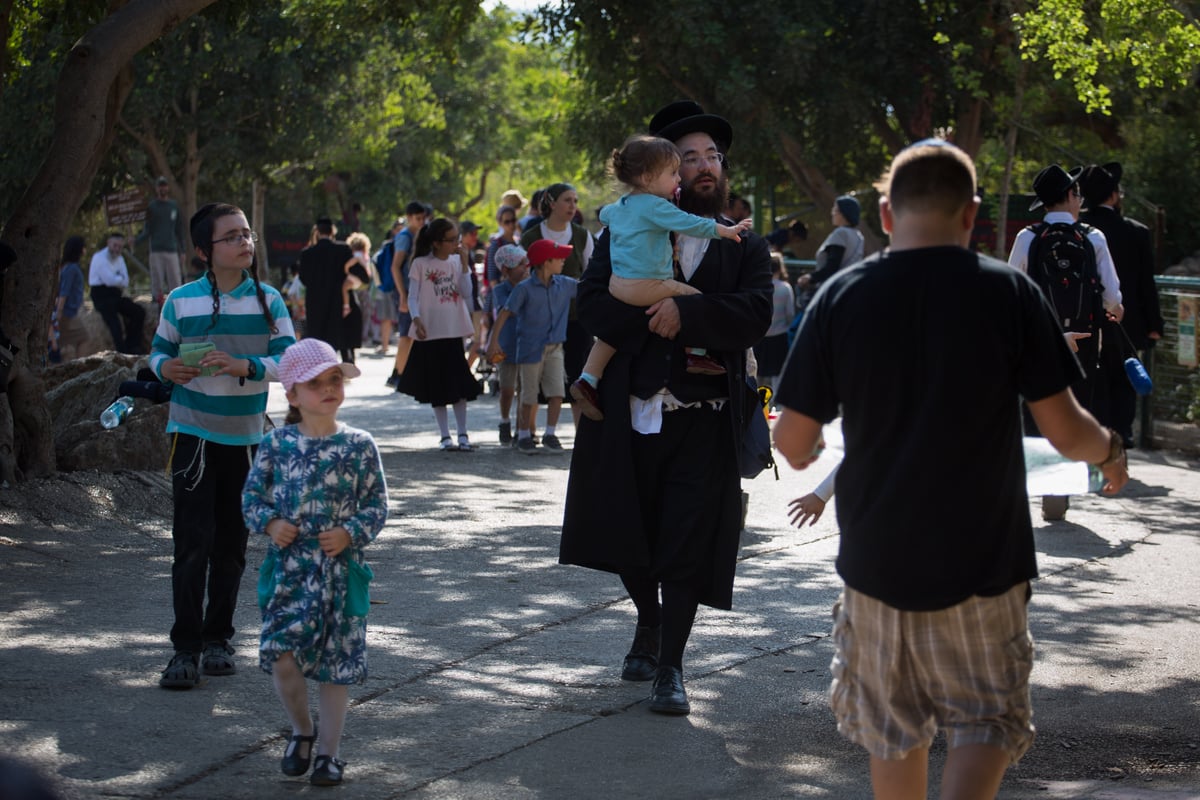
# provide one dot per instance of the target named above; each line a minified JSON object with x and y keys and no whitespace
{"x":1063,"y":263}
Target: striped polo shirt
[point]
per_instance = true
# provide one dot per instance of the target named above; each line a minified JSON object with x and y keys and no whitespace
{"x":222,"y":408}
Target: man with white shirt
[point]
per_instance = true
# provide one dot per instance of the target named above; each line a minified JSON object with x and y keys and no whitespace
{"x":108,"y":277}
{"x":655,"y":491}
{"x":1058,"y":191}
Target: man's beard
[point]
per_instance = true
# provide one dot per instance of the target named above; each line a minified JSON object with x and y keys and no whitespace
{"x":710,"y":201}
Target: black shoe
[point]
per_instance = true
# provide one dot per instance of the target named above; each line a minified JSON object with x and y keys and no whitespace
{"x":327,"y":771}
{"x":217,"y":659}
{"x":293,"y":763}
{"x":1054,"y":507}
{"x":394,"y":379}
{"x":668,"y":695}
{"x":641,"y":663}
{"x":551,"y":442}
{"x":505,"y":433}
{"x":182,"y":673}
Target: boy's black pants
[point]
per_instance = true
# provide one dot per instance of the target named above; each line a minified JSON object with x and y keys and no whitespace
{"x":210,"y":538}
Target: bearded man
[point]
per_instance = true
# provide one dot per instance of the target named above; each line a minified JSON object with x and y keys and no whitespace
{"x":655,"y":491}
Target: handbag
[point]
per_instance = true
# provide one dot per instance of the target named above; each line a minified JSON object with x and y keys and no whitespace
{"x":358,"y":588}
{"x":266,"y":578}
{"x":756,"y":453}
{"x":1139,"y":378}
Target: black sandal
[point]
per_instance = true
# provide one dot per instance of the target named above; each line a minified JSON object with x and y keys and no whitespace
{"x":327,"y":772}
{"x":292,"y":764}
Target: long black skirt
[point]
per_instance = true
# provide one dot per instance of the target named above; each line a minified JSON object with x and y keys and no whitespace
{"x":437,"y":373}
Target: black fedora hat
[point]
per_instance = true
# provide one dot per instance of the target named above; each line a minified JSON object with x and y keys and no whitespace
{"x":1052,"y":183}
{"x":1099,"y":181}
{"x":685,"y":116}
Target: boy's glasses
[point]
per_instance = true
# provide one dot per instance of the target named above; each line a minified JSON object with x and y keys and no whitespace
{"x":235,"y":239}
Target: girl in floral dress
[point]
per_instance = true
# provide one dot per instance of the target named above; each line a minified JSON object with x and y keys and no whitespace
{"x":317,"y":490}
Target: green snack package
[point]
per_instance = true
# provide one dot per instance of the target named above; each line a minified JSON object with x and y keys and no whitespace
{"x":192,"y":352}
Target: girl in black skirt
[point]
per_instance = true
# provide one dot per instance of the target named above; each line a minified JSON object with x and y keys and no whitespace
{"x":439,"y":298}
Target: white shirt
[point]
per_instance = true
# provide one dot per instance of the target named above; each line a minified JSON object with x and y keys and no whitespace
{"x":1104,"y":263}
{"x":106,"y":271}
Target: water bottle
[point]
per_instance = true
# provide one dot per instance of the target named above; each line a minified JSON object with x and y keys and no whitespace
{"x":115,"y":414}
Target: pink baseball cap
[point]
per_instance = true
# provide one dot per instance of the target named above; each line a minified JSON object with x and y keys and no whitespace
{"x":308,"y":358}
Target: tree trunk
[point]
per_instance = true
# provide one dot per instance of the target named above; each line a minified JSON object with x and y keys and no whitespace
{"x":91,"y":89}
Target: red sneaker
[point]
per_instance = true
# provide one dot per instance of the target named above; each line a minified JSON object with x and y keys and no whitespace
{"x":704,"y":365}
{"x":586,"y":399}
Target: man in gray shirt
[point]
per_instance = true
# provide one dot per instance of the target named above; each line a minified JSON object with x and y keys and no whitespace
{"x":164,"y":229}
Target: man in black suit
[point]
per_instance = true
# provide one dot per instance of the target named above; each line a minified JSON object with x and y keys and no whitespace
{"x":655,"y":491}
{"x":1133,"y":255}
{"x":322,"y":271}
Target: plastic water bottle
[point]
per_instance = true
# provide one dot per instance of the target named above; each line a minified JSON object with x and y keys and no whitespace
{"x":115,"y":414}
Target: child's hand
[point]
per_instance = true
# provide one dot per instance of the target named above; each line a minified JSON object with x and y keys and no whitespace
{"x":804,"y":509}
{"x":334,"y":540}
{"x":225,"y":364}
{"x":729,"y":232}
{"x":282,"y":532}
{"x":176,"y":371}
{"x":494,"y":353}
{"x":420,"y":326}
{"x":345,"y":310}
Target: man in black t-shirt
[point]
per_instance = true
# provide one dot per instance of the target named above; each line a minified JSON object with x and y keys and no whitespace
{"x":931,"y":629}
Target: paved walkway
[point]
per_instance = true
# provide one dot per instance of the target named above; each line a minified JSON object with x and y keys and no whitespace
{"x":495,"y":670}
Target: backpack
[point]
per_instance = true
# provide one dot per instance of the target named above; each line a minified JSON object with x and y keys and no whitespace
{"x":383,"y":265}
{"x":1063,"y":263}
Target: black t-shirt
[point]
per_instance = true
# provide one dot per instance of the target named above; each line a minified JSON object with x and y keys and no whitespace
{"x":925,"y":354}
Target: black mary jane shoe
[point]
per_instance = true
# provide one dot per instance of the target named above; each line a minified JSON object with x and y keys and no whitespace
{"x":327,"y":771}
{"x":293,"y":764}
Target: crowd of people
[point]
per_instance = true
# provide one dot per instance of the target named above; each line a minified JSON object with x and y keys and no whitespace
{"x":660,"y":330}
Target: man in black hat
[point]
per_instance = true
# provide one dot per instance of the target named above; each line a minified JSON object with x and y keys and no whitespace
{"x":1133,"y":255}
{"x":323,"y":271}
{"x":655,"y":492}
{"x":1058,"y":191}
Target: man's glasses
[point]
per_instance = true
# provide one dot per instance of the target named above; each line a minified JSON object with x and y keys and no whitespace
{"x":693,"y":161}
{"x":235,"y":239}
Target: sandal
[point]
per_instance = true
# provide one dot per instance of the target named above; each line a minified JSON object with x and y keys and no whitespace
{"x":217,"y":659}
{"x":182,"y":673}
{"x":327,"y":771}
{"x":447,"y":444}
{"x":464,"y":444}
{"x":293,"y":764}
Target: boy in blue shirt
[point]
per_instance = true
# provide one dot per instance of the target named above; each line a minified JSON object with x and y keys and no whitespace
{"x":541,"y":305}
{"x":513,"y":267}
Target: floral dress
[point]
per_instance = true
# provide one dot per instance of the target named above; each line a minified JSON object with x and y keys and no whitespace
{"x":317,"y":484}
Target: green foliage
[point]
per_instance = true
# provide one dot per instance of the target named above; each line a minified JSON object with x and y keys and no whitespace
{"x":1153,"y":41}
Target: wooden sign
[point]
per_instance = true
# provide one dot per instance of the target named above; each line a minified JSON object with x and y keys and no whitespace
{"x":125,"y":208}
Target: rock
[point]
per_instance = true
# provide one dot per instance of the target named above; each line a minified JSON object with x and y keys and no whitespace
{"x":78,"y":390}
{"x":99,"y":339}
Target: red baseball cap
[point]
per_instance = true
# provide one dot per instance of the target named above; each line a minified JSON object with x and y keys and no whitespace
{"x":543,"y":250}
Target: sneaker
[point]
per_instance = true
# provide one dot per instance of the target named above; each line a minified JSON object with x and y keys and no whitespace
{"x":526,"y":446}
{"x":704,"y":365}
{"x":551,"y":442}
{"x":394,"y":379}
{"x":505,"y":433}
{"x":217,"y":659}
{"x":447,"y":444}
{"x":182,"y":673}
{"x":586,"y":398}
